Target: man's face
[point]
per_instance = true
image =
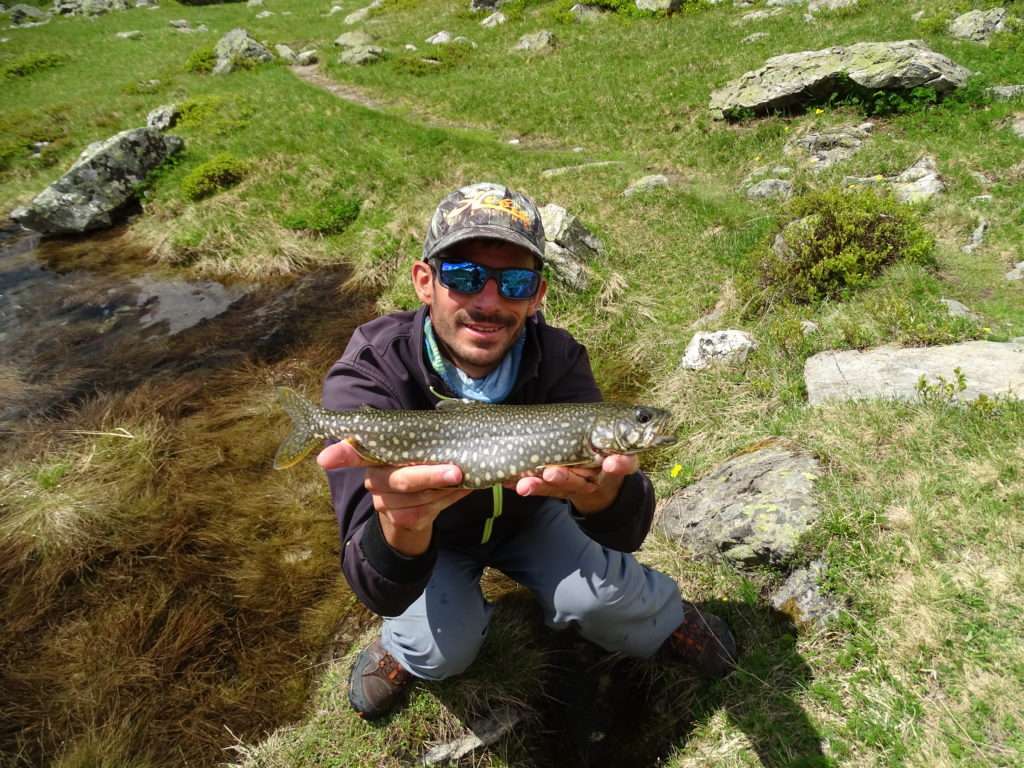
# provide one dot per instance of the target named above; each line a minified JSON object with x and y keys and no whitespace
{"x":476,"y":330}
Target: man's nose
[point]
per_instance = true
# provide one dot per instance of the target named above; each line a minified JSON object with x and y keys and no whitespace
{"x":489,"y":295}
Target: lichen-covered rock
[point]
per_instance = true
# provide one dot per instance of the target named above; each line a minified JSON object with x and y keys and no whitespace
{"x":1006,"y":92}
{"x":102,"y":182}
{"x":977,"y":237}
{"x":918,"y":183}
{"x":794,"y":79}
{"x":23,"y":15}
{"x":751,"y":510}
{"x":478,"y":6}
{"x":88,"y":7}
{"x":536,"y":42}
{"x":569,"y":246}
{"x":770,"y":189}
{"x":353,"y":39}
{"x":814,"y":6}
{"x":823,"y":149}
{"x":588,"y":13}
{"x":163,"y":117}
{"x":359,"y":55}
{"x":362,"y":14}
{"x":708,"y":348}
{"x":496,"y":19}
{"x":646,"y":184}
{"x":802,"y":599}
{"x":990,"y":368}
{"x":654,"y":6}
{"x":237,"y":46}
{"x":978,"y":26}
{"x":307,"y":58}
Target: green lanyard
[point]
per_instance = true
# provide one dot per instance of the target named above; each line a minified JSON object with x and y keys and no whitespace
{"x":498,"y":495}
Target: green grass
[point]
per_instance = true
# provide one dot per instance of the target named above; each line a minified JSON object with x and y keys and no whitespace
{"x":179,"y":587}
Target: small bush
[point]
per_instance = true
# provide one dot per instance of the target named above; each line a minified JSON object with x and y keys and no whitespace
{"x":213,"y":176}
{"x":836,"y":242}
{"x":201,"y":61}
{"x":330,"y":216}
{"x":31,"y":63}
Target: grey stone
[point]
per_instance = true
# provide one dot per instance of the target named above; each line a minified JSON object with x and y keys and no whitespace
{"x":956,"y":309}
{"x":665,"y":6}
{"x":917,"y":183}
{"x":807,"y":327}
{"x":335,"y":9}
{"x":479,"y":6}
{"x":285,"y":53}
{"x":751,"y":509}
{"x":254,"y":3}
{"x":977,"y":236}
{"x":541,"y":41}
{"x":163,"y":117}
{"x":978,"y":26}
{"x":179,"y":23}
{"x":646,"y":184}
{"x":307,"y":58}
{"x":1017,"y":273}
{"x":783,"y":3}
{"x":1017,"y":125}
{"x":793,"y":79}
{"x":22,"y":15}
{"x":1006,"y":92}
{"x":362,"y":14}
{"x":708,"y":348}
{"x":562,"y":170}
{"x":587,"y":13}
{"x":439,"y":38}
{"x":96,"y":189}
{"x":801,"y":597}
{"x":767,"y":189}
{"x":823,"y":149}
{"x":361,"y":54}
{"x":355,"y":38}
{"x":130,"y":34}
{"x":237,"y":45}
{"x":570,"y":245}
{"x":754,"y":37}
{"x":814,"y":6}
{"x":494,"y":20}
{"x":991,"y":368}
{"x":264,"y":15}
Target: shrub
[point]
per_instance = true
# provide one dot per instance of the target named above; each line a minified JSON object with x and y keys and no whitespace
{"x":31,"y":63}
{"x":201,"y":61}
{"x":835,"y":242}
{"x":330,"y":216}
{"x":213,"y":176}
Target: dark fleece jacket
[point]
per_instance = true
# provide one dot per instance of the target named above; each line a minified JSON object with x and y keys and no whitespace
{"x":384,"y":366}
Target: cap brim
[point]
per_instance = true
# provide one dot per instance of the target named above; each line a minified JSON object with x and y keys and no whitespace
{"x":484,"y":232}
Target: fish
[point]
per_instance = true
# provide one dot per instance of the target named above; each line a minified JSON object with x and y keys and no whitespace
{"x":490,"y":443}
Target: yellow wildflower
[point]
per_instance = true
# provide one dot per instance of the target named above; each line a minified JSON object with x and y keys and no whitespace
{"x":819,"y":111}
{"x":676,"y":470}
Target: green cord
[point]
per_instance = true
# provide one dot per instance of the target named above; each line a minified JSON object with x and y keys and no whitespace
{"x":497,"y":493}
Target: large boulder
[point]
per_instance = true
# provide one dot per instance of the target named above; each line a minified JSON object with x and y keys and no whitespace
{"x":795,"y":79}
{"x":238,"y":46}
{"x":978,"y":26}
{"x":751,"y":510}
{"x":100,"y":185}
{"x":569,"y":246}
{"x":989,"y":368}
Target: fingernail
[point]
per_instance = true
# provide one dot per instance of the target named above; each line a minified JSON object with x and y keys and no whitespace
{"x":451,"y":476}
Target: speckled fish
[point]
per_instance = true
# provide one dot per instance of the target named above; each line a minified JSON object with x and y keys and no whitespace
{"x":491,"y":443}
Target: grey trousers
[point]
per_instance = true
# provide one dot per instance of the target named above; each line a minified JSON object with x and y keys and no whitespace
{"x":617,"y":603}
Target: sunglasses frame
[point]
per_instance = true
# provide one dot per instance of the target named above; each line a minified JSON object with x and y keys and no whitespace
{"x":489,"y":272}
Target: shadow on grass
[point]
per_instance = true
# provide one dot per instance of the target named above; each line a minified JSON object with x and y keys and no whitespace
{"x":608,"y":710}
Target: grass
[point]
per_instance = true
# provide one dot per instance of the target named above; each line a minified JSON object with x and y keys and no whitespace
{"x":163,"y":590}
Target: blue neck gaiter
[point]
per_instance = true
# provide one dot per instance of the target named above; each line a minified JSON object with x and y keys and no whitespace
{"x":492,"y":388}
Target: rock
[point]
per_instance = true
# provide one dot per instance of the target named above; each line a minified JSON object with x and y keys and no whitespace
{"x":479,"y":6}
{"x":463,"y":40}
{"x":536,"y":42}
{"x":264,"y":15}
{"x":708,"y":348}
{"x":354,"y":39}
{"x":495,"y":19}
{"x":1017,"y":273}
{"x":285,"y":53}
{"x":588,"y":13}
{"x":956,"y":309}
{"x":163,"y":117}
{"x":917,"y":183}
{"x":98,"y":187}
{"x":569,"y":246}
{"x":759,"y":15}
{"x":131,"y":34}
{"x":1005,"y":92}
{"x":751,"y":510}
{"x":754,"y":37}
{"x":978,"y":26}
{"x":991,"y":368}
{"x":87,"y":7}
{"x":179,"y":23}
{"x":307,"y":58}
{"x":795,"y":79}
{"x":481,"y":734}
{"x":646,"y":184}
{"x":254,"y":3}
{"x":814,"y":6}
{"x":807,"y":327}
{"x":1017,"y":125}
{"x":654,"y":6}
{"x":783,"y":3}
{"x":361,"y":54}
{"x":148,"y":4}
{"x":22,"y":15}
{"x":802,"y":599}
{"x":977,"y":236}
{"x":236,"y":46}
{"x":823,"y":149}
{"x":768,"y":189}
{"x":335,"y":9}
{"x":362,"y":14}
{"x":440,"y":38}
{"x":561,"y":171}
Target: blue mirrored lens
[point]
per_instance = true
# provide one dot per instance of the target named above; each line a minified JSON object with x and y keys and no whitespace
{"x":468,"y":277}
{"x":518,"y":283}
{"x":464,"y":277}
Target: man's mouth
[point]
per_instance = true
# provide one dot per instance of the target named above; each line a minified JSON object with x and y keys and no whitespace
{"x":484,"y":329}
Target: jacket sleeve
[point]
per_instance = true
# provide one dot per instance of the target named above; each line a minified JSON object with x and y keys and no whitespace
{"x":625,"y":524}
{"x":383,"y":579}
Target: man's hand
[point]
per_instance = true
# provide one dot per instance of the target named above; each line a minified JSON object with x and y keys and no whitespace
{"x":588,"y":489}
{"x":408,"y":499}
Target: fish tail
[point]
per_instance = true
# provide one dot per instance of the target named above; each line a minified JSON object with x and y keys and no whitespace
{"x":301,"y":440}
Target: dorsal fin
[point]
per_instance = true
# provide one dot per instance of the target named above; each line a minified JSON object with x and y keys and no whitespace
{"x":367,"y":408}
{"x":453,"y":405}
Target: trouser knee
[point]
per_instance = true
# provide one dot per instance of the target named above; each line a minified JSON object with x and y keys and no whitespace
{"x":439,"y":652}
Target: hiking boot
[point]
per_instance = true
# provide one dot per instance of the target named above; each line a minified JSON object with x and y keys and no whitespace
{"x":377,"y":682}
{"x":704,"y":641}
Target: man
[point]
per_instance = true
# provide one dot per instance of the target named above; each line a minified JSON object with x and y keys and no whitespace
{"x":415,"y":544}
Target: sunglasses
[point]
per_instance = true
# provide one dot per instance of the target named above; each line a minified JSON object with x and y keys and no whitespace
{"x":516,"y":283}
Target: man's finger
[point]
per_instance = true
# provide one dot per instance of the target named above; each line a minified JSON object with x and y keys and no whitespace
{"x":620,"y":464}
{"x":419,"y":515}
{"x":420,"y":477}
{"x":339,"y":456}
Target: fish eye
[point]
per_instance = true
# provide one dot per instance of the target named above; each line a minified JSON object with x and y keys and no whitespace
{"x":643,"y":415}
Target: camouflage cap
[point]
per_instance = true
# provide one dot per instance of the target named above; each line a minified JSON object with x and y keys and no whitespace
{"x":485,"y":210}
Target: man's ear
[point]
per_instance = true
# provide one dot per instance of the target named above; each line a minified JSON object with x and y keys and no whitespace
{"x":423,"y":281}
{"x":538,"y":298}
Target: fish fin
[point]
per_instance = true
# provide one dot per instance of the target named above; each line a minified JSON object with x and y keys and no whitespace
{"x":300,"y":440}
{"x":454,"y":405}
{"x":367,"y":408}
